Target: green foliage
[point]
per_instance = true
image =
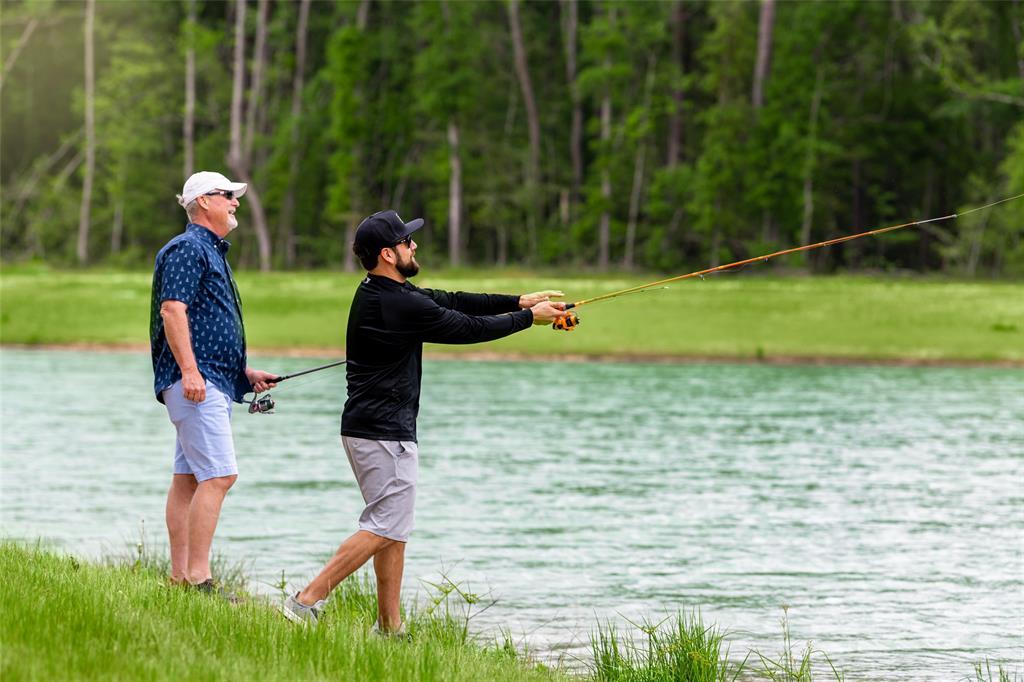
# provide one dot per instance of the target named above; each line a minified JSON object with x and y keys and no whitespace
{"x":873,"y":114}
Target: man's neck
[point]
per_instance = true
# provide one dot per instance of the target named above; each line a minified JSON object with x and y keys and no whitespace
{"x":389,"y":271}
{"x":223,"y":232}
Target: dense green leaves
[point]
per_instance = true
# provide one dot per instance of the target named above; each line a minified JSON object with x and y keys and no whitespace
{"x":872,"y":114}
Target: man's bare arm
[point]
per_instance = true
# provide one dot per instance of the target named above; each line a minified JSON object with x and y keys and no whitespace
{"x":175,"y":317}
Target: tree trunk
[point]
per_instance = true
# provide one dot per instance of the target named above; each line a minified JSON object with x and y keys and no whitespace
{"x":675,"y":119}
{"x":1016,"y":27}
{"x":639,"y":167}
{"x":117,"y":231}
{"x":533,"y":123}
{"x":977,"y":239}
{"x":764,"y":51}
{"x":237,"y":160}
{"x":604,"y":231}
{"x":259,"y":58}
{"x":286,"y":229}
{"x":188,"y":125}
{"x":355,"y":214}
{"x":84,"y":213}
{"x":812,"y":141}
{"x":570,"y":13}
{"x":454,"y":196}
{"x":716,"y":238}
{"x":237,"y":87}
{"x":26,"y":33}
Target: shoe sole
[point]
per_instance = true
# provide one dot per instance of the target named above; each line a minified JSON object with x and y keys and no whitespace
{"x":294,"y":617}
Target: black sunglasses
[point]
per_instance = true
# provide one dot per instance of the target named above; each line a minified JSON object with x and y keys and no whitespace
{"x":227,"y":194}
{"x":406,"y":240}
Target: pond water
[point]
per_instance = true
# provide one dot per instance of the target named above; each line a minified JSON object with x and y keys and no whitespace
{"x":883,"y":505}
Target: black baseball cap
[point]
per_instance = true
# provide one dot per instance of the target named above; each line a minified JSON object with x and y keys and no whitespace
{"x":382,"y":229}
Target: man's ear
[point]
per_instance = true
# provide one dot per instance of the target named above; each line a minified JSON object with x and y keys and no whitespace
{"x":388,"y":255}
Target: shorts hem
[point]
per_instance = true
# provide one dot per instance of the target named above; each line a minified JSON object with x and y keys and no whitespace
{"x":385,"y":534}
{"x":215,"y":472}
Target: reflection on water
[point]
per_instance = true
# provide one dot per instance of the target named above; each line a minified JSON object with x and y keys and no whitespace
{"x":884,"y":505}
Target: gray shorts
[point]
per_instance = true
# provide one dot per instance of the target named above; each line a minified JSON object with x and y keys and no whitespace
{"x":387,"y":471}
{"x":204,"y":447}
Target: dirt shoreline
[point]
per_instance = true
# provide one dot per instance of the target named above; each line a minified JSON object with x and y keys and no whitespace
{"x":499,"y":356}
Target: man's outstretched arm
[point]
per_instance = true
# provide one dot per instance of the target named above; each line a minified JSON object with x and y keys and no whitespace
{"x":488,"y":304}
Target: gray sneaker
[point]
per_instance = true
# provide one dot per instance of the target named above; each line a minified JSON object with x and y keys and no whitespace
{"x":297,"y":612}
{"x":398,"y":635}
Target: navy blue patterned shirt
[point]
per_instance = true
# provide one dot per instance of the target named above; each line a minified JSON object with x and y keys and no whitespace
{"x":193,"y":268}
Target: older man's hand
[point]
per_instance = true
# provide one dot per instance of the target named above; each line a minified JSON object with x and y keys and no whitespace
{"x":530,"y":300}
{"x":260,"y":380}
{"x":193,"y":385}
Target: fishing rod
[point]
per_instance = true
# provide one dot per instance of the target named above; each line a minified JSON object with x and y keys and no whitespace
{"x":265,"y":404}
{"x":571,"y":320}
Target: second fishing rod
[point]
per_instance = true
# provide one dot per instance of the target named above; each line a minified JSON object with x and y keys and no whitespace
{"x":265,"y":404}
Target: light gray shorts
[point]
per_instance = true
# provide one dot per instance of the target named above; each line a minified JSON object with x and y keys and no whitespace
{"x":387,"y":471}
{"x":204,"y":448}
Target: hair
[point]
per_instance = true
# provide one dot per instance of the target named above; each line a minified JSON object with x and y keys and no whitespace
{"x":367,"y":258}
{"x":191,"y":208}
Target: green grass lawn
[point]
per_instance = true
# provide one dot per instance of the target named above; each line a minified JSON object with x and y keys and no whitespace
{"x":742,"y":315}
{"x":63,"y":619}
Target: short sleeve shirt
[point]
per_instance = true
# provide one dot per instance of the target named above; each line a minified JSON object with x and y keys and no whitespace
{"x":193,"y":268}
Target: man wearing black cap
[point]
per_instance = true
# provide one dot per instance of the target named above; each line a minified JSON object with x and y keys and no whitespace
{"x":388,"y":323}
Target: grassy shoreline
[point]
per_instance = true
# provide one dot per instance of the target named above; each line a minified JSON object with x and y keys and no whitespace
{"x":744,"y":317}
{"x":63,"y":618}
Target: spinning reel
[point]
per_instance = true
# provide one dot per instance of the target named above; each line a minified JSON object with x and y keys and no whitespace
{"x":567,"y":323}
{"x":261,"y":405}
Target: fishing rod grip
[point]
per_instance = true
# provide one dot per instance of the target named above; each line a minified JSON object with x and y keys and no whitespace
{"x":570,"y":306}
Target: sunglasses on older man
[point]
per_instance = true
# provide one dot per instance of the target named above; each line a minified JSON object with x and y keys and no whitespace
{"x":227,"y":194}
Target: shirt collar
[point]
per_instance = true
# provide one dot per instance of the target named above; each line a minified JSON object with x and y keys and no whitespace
{"x":206,"y":233}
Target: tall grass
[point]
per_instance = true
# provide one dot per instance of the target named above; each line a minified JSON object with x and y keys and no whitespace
{"x":983,"y":673}
{"x":789,"y":666}
{"x":66,"y":619}
{"x":679,"y":648}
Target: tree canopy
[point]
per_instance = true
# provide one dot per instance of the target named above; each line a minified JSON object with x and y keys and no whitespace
{"x":592,"y":134}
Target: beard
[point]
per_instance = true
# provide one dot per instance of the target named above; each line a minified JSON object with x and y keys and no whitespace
{"x":408,"y":268}
{"x":232,"y":222}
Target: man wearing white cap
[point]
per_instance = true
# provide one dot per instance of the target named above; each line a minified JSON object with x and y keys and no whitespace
{"x":199,"y":365}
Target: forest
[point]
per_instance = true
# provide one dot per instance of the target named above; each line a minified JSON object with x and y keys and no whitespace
{"x":585,"y":135}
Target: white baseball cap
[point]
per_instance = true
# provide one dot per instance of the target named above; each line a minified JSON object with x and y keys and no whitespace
{"x":205,"y":182}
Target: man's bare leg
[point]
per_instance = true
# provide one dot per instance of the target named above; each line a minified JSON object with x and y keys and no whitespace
{"x":352,"y":554}
{"x":389,"y":564}
{"x":202,"y":522}
{"x":179,"y":497}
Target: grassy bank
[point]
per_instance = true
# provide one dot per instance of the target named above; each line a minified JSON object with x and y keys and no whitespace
{"x":62,"y":618}
{"x":743,"y":316}
{"x":65,"y":619}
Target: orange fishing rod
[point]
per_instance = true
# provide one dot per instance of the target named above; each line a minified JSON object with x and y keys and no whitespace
{"x":571,"y":320}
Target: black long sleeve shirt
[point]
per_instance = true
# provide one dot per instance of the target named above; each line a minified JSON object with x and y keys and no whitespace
{"x":387,"y":325}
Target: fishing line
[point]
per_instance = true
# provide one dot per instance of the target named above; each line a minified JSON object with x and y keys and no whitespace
{"x":570,"y":321}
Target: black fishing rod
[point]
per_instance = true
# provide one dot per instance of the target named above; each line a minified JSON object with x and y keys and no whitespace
{"x":265,"y":404}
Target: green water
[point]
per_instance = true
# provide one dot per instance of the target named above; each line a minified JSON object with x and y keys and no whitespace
{"x":883,"y":505}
